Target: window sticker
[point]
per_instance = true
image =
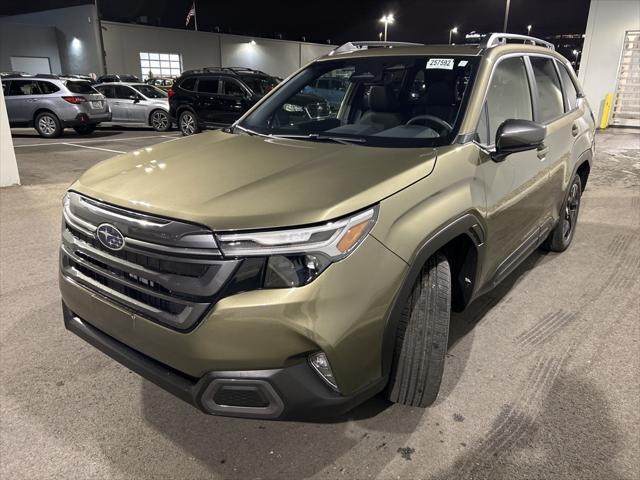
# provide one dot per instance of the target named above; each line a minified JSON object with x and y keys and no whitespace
{"x":441,"y":63}
{"x":462,"y":63}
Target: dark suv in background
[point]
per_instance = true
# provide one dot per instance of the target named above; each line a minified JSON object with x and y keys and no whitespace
{"x":217,"y":97}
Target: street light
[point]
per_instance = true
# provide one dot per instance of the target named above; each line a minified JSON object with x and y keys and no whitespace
{"x":387,"y":19}
{"x":528,"y":29}
{"x":380,"y":36}
{"x":451,"y":32}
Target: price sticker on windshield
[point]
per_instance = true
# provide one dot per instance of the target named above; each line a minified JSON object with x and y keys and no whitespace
{"x":441,"y":63}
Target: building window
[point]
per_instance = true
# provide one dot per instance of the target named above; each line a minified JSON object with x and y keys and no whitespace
{"x":160,"y":65}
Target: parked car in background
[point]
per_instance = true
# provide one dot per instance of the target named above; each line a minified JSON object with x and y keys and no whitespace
{"x":162,"y":83}
{"x":112,"y":77}
{"x":74,"y":76}
{"x":137,"y":104}
{"x":50,"y":104}
{"x":332,"y":89}
{"x":217,"y":97}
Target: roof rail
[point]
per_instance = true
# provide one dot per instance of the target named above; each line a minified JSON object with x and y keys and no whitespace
{"x":30,"y":75}
{"x":495,"y":39}
{"x":355,"y":46}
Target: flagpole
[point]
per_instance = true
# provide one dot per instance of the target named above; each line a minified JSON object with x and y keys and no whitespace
{"x":195,"y":15}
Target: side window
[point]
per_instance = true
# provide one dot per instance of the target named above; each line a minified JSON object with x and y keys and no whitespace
{"x":48,"y":87}
{"x":123,"y":92}
{"x":24,"y":87}
{"x":188,"y":84}
{"x":569,"y":87}
{"x":233,"y":88}
{"x":107,"y":91}
{"x":208,"y":85}
{"x":508,"y":97}
{"x":4,"y":87}
{"x":550,"y":102}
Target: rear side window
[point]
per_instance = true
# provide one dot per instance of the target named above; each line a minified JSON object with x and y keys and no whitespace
{"x":107,"y":91}
{"x":508,"y":97}
{"x":48,"y":87}
{"x":569,"y":87}
{"x":232,"y":87}
{"x":550,"y":104}
{"x":24,"y":87}
{"x":208,"y":85}
{"x":79,"y":87}
{"x":188,"y":84}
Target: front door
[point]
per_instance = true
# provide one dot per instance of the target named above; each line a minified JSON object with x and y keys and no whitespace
{"x":515,"y":188}
{"x":208,"y":100}
{"x":234,"y":101}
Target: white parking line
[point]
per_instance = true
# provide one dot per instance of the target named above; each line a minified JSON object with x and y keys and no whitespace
{"x":96,"y":140}
{"x":93,"y":148}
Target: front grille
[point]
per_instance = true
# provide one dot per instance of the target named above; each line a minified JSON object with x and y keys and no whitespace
{"x":168,"y":271}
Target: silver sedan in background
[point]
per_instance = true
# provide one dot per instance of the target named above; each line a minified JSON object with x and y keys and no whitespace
{"x":137,"y":104}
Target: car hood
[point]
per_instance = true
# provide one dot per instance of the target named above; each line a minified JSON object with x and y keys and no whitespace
{"x":237,"y":182}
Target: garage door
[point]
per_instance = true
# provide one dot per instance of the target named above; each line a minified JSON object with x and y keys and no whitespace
{"x":31,"y":64}
{"x":626,"y":105}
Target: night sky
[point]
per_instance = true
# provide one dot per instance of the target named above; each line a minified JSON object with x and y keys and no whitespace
{"x":424,"y":21}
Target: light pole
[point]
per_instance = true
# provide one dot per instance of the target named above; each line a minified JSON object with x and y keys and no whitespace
{"x":454,"y":30}
{"x":387,"y":19}
{"x":506,"y":16}
{"x":528,"y":29}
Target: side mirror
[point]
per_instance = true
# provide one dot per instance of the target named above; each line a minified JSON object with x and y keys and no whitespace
{"x":517,"y":136}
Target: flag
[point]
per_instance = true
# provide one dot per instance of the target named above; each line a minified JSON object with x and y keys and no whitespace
{"x":191,"y":13}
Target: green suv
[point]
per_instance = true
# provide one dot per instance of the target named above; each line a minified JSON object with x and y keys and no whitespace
{"x":291,"y":269}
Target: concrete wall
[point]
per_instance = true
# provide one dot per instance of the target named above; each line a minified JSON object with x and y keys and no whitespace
{"x":20,"y":40}
{"x":77,"y":36}
{"x":124,"y":42}
{"x":606,"y":26}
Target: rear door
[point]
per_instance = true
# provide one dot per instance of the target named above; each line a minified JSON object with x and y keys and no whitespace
{"x":124,"y":101}
{"x":515,"y":187}
{"x":21,"y":100}
{"x":208,"y":107}
{"x":118,"y":112}
{"x":561,"y":116}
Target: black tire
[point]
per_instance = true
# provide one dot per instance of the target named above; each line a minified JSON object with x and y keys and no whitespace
{"x":188,"y":123}
{"x":561,"y":236}
{"x":48,"y":125}
{"x":85,"y":129}
{"x":159,"y":120}
{"x":423,"y":333}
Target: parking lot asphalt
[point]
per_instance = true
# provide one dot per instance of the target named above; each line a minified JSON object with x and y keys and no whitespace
{"x":542,"y":377}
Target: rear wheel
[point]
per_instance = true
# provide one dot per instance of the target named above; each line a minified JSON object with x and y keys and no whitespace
{"x":188,"y":123}
{"x":560,"y":237}
{"x":48,"y":125}
{"x":423,"y":333}
{"x":85,"y":129}
{"x":159,"y":120}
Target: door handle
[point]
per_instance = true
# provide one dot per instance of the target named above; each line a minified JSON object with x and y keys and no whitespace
{"x":32,"y":99}
{"x":542,"y":152}
{"x":574,"y":130}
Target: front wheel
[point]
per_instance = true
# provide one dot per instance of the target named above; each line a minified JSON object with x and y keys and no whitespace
{"x":422,"y":337}
{"x":160,"y":121}
{"x":560,"y":237}
{"x":48,"y":125}
{"x":188,"y":123}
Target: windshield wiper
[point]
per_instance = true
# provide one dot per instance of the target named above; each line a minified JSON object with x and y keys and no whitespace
{"x":323,"y":138}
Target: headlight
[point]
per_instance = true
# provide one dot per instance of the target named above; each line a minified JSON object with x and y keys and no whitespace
{"x":297,"y":256}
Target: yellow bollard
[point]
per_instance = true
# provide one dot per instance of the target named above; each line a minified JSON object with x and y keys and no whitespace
{"x":606,"y":108}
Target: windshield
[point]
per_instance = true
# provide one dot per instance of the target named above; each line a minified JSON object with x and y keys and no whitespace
{"x":79,"y":87}
{"x":150,"y":91}
{"x":259,"y":85}
{"x":400,"y":101}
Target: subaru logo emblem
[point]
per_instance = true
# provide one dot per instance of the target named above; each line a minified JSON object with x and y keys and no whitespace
{"x":110,"y":237}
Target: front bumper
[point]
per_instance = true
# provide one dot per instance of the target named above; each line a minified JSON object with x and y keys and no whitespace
{"x":294,"y":392}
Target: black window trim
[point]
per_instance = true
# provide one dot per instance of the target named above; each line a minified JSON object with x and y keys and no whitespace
{"x":532,"y":94}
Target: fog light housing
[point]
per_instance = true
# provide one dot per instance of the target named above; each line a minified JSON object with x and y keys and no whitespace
{"x":320,"y":363}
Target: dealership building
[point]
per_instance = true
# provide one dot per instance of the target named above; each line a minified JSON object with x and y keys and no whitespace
{"x":69,"y":41}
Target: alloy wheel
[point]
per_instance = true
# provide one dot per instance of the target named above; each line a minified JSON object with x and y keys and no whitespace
{"x":47,"y":125}
{"x":571,"y":211}
{"x":159,"y":120}
{"x":187,"y":124}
